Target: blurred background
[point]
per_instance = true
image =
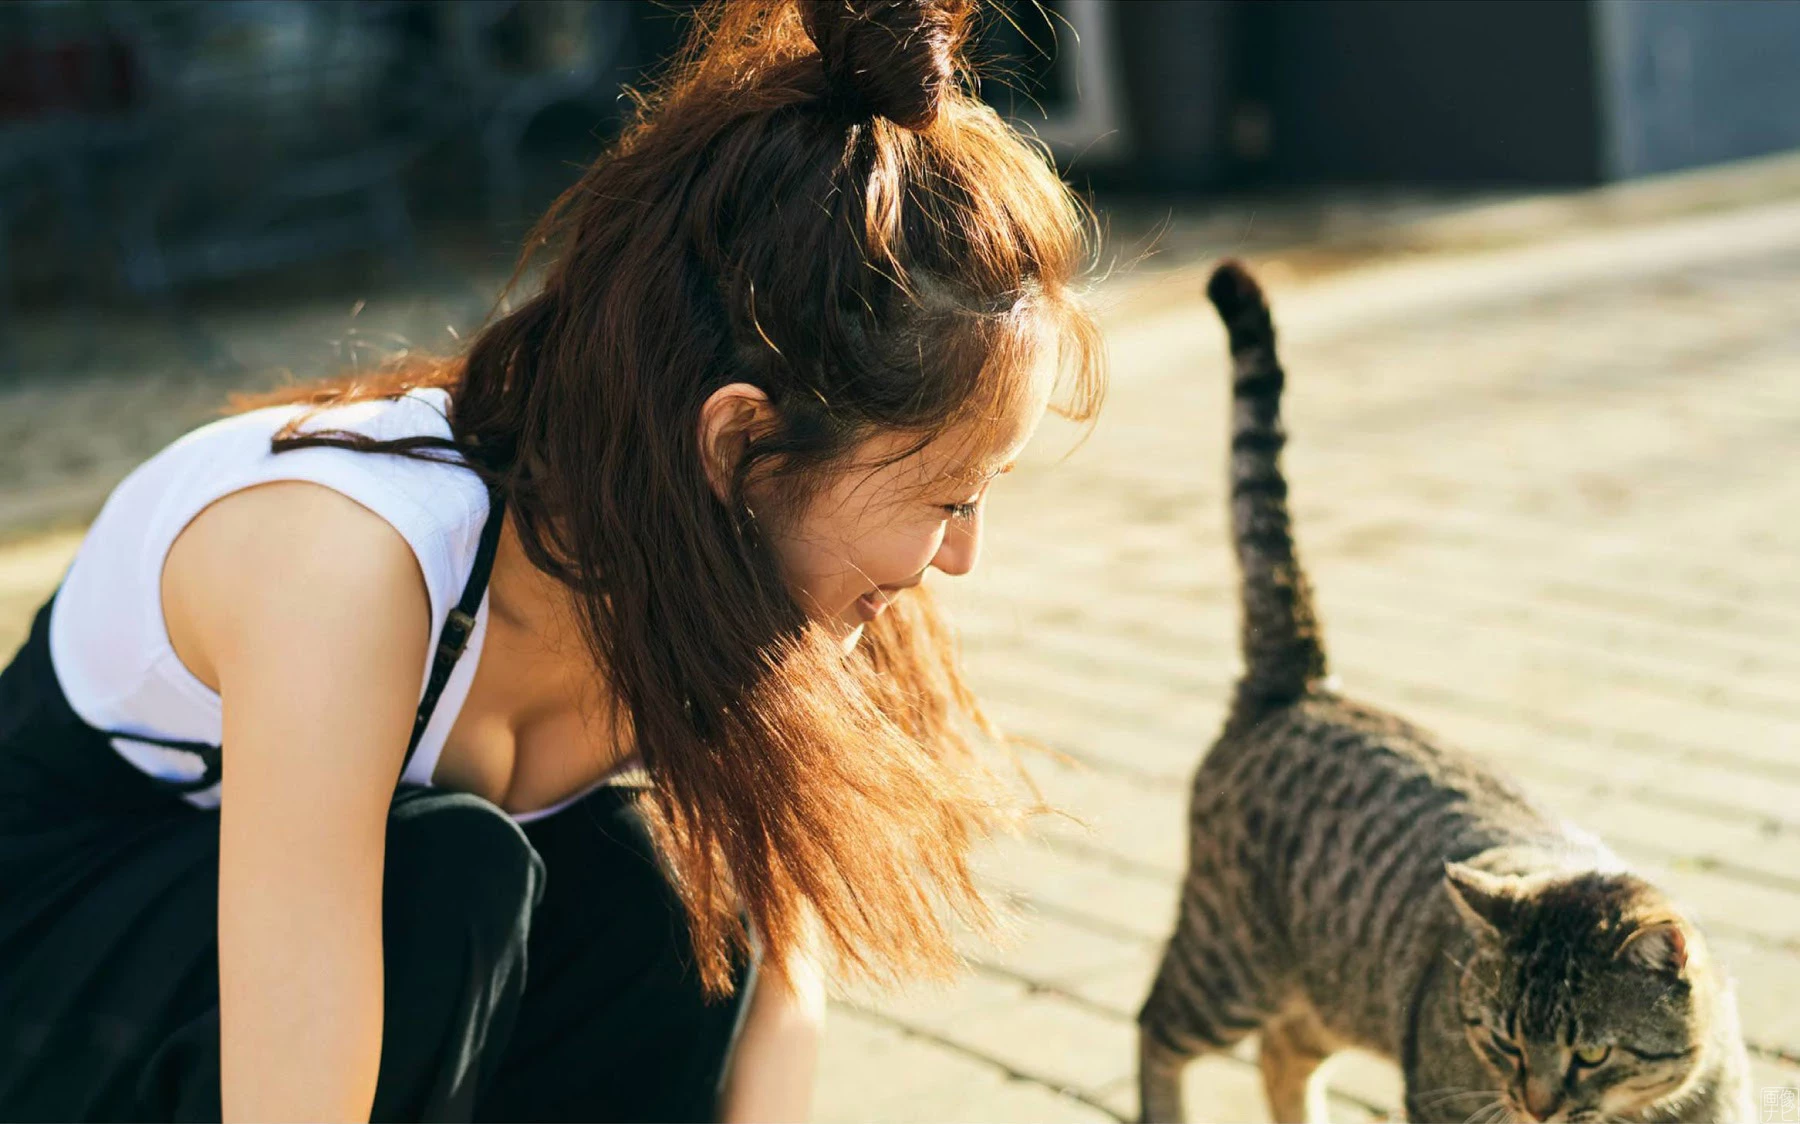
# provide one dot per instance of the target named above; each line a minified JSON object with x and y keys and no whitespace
{"x":164,"y":154}
{"x":1537,"y":268}
{"x":206,"y":192}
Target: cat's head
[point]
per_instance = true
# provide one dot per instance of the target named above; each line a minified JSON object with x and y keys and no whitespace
{"x":1588,"y":995}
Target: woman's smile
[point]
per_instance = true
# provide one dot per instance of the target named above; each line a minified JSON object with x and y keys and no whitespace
{"x":871,"y":605}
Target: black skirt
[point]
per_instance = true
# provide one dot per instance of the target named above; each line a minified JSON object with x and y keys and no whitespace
{"x":535,"y":972}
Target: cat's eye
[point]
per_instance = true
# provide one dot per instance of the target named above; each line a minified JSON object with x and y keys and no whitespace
{"x":1503,"y":1045}
{"x":1591,"y":1056}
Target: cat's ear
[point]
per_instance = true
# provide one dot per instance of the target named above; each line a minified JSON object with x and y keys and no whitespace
{"x":1484,"y":900}
{"x":1660,"y":945}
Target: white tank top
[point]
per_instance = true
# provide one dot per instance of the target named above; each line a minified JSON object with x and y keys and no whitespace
{"x":108,"y":642}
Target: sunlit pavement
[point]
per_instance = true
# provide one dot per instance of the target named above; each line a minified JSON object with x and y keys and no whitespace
{"x":1547,"y":496}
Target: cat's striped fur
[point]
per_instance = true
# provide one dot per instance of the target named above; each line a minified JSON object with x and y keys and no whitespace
{"x":1354,"y":882}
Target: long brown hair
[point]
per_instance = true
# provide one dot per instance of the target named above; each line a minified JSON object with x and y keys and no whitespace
{"x":814,"y":203}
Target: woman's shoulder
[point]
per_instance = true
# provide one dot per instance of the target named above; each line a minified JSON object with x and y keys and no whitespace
{"x":281,"y":551}
{"x":246,"y":436}
{"x":244,"y":439}
{"x":436,"y":505}
{"x":225,"y":481}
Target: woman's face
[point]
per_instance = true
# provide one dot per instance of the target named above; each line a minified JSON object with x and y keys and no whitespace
{"x":875,"y":528}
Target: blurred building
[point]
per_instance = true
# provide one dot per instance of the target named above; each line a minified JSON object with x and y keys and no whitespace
{"x":1202,"y":93}
{"x":155,"y":144}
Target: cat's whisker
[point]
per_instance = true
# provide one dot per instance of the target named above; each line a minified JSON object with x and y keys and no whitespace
{"x":1444,"y":1096}
{"x":1487,"y":1113}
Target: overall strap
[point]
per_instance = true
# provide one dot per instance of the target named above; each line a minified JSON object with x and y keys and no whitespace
{"x":459,"y":623}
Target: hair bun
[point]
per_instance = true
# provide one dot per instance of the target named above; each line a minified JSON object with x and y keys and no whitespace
{"x":888,"y":58}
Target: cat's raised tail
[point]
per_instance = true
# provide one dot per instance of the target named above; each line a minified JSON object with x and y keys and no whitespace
{"x":1284,"y":654}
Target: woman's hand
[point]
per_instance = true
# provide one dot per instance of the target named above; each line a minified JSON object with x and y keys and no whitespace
{"x":308,"y":614}
{"x":776,"y":1059}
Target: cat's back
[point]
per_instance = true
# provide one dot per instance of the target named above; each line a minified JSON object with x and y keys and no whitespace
{"x":1332,"y":757}
{"x":1335,"y":819}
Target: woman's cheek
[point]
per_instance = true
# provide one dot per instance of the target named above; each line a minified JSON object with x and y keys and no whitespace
{"x":911,"y":554}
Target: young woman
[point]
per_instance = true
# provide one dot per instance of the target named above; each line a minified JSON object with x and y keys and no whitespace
{"x":316,"y":794}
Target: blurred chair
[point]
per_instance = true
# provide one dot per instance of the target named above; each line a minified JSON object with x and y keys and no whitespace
{"x":198,"y":140}
{"x":186,"y":141}
{"x":69,"y":105}
{"x":279,"y":133}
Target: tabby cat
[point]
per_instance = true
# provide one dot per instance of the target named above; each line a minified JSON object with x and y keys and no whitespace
{"x":1352,"y":882}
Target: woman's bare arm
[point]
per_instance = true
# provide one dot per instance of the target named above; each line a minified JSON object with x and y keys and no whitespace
{"x":309,"y":614}
{"x":775,"y":1063}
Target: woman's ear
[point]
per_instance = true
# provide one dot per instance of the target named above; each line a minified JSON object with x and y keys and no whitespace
{"x":731,"y":418}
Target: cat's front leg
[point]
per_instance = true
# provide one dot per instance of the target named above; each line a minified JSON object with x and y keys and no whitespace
{"x":1291,"y":1054}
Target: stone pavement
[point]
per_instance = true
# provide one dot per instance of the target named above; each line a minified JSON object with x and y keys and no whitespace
{"x":1547,"y":498}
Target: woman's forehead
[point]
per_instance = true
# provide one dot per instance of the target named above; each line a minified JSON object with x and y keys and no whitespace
{"x":981,"y":445}
{"x":971,"y":453}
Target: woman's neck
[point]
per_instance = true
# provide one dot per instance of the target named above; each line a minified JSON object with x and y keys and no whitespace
{"x":523,"y":598}
{"x":534,"y":627}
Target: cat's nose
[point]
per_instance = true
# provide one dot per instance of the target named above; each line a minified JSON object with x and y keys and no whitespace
{"x":1542,"y":1099}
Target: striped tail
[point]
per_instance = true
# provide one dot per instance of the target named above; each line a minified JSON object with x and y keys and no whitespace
{"x":1283,"y":652}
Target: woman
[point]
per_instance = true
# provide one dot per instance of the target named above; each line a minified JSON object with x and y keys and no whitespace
{"x":666,"y":519}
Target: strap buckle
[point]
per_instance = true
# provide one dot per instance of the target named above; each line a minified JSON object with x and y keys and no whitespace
{"x":455,"y":637}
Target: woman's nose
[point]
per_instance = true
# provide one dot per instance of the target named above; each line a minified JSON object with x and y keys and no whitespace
{"x":961,"y":547}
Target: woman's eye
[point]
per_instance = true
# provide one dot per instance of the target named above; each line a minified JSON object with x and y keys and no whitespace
{"x":1591,"y":1056}
{"x":962,"y":510}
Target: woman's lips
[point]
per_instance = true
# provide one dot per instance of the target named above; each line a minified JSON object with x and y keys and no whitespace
{"x":871,"y":605}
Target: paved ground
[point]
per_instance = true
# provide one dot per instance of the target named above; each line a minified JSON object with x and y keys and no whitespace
{"x":1547,"y":495}
{"x":1547,"y":499}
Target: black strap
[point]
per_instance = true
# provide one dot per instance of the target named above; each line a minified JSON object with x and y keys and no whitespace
{"x":459,"y":624}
